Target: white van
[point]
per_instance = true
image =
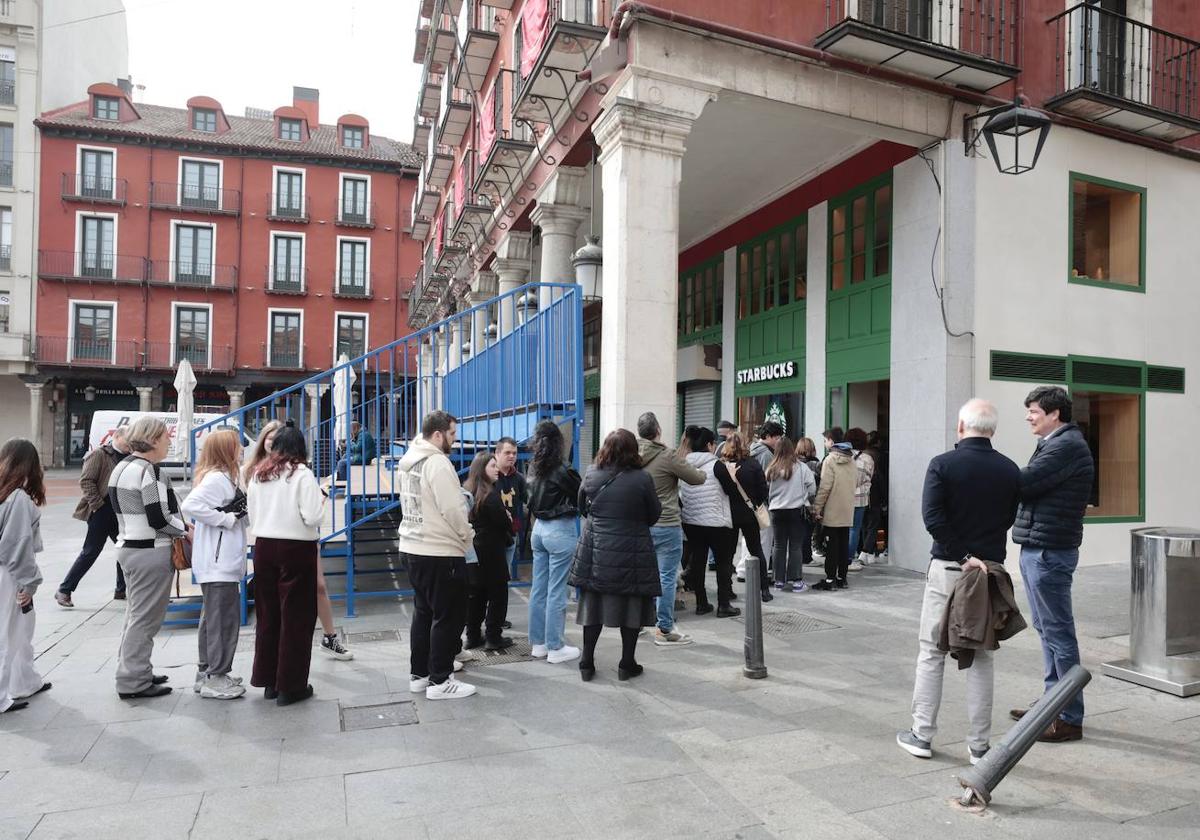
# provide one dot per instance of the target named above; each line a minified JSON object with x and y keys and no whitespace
{"x":104,"y":423}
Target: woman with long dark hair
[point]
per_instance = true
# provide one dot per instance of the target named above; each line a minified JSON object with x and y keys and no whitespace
{"x":553,"y":491}
{"x":745,"y":484}
{"x":22,"y":492}
{"x":487,"y":579}
{"x":285,"y":504}
{"x":616,"y":566}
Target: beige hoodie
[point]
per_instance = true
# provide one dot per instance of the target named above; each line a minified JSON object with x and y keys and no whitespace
{"x":435,"y":520}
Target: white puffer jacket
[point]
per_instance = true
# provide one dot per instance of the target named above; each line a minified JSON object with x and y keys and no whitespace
{"x":704,"y":504}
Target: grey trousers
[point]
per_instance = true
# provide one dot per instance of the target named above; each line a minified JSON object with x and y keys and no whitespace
{"x":148,"y":575}
{"x":219,"y":622}
{"x":931,"y":663}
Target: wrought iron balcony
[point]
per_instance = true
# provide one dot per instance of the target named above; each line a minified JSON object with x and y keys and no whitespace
{"x":5,"y":258}
{"x":86,"y":352}
{"x":196,"y":198}
{"x":358,"y":214}
{"x":165,"y":355}
{"x":431,"y":96}
{"x":1117,"y":71}
{"x":287,"y":207}
{"x":548,"y":60}
{"x":286,"y":281}
{"x":455,"y":116}
{"x":91,"y":266}
{"x":93,"y":189}
{"x":478,"y":40}
{"x":194,"y":274}
{"x":284,"y":356}
{"x":352,"y":284}
{"x":972,"y":43}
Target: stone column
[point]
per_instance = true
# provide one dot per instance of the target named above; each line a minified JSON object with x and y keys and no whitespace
{"x":558,"y":213}
{"x":237,"y":398}
{"x":512,"y":271}
{"x":484,"y":289}
{"x":145,"y":394}
{"x":642,"y":148}
{"x":35,"y":414}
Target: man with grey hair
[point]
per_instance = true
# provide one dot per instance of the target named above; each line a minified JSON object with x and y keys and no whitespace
{"x":969,"y":503}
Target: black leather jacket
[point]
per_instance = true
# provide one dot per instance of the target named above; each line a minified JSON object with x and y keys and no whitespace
{"x":554,"y":496}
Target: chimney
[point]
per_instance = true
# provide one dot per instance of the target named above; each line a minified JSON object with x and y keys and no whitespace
{"x":308,"y":101}
{"x":126,"y":86}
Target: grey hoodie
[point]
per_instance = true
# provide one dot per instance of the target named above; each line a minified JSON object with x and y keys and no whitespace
{"x":795,"y":492}
{"x":435,"y":520}
{"x":21,"y":540}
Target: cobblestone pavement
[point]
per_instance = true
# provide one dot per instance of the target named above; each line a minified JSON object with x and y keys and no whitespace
{"x":691,"y":749}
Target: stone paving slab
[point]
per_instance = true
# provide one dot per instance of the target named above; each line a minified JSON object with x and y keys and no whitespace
{"x":690,"y":749}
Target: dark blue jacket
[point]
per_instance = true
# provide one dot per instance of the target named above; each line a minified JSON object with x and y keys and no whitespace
{"x":615,"y":554}
{"x":1056,"y":487}
{"x":970,"y":501}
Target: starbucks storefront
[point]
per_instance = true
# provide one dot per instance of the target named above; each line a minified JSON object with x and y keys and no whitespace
{"x":773,"y":391}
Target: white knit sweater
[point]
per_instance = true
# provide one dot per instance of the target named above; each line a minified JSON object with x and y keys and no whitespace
{"x":288,"y":508}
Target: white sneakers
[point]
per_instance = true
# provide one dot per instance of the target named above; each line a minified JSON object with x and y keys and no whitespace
{"x":855,"y":565}
{"x":451,"y":689}
{"x":564,"y":654}
{"x":417,"y":684}
{"x":539,"y":651}
{"x":222,"y":688}
{"x":672,"y":639}
{"x":198,"y":683}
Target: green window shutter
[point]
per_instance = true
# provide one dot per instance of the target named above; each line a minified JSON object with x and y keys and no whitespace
{"x":1167,"y":379}
{"x":1107,"y":374}
{"x":1028,"y":367}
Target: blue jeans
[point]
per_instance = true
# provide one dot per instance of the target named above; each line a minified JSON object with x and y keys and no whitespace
{"x":554,"y":544}
{"x":668,"y":545}
{"x":855,"y":531}
{"x":1048,"y":573}
{"x":510,"y":554}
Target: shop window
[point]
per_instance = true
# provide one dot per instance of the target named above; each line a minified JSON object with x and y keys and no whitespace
{"x":700,"y":315}
{"x":860,"y":236}
{"x":351,"y":336}
{"x":773,"y":269}
{"x":1112,"y":425}
{"x":5,"y":302}
{"x":1108,"y":229}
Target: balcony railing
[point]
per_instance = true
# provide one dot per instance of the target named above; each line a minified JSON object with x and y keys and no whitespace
{"x":164,"y":355}
{"x":86,"y":352}
{"x":1144,"y":74}
{"x":6,"y":173}
{"x":5,"y":258}
{"x":94,"y":189}
{"x":282,"y":357}
{"x":352,"y":285}
{"x":285,"y":207}
{"x":8,"y":93}
{"x":205,"y":275}
{"x":568,"y":41}
{"x":357,"y":214}
{"x":286,"y":281}
{"x":194,"y":197}
{"x":971,"y":43}
{"x":74,"y":265}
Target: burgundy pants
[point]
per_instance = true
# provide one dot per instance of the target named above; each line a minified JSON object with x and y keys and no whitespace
{"x":285,"y":607}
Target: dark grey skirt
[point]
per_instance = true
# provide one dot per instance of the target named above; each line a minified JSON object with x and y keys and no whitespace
{"x":615,"y":610}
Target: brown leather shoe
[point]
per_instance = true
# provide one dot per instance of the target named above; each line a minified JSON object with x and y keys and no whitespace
{"x":1017,"y":714}
{"x":1060,"y":731}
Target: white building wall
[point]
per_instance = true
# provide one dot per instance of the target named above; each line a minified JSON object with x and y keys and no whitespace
{"x":815,"y":325}
{"x":95,"y":36}
{"x":1024,"y":303}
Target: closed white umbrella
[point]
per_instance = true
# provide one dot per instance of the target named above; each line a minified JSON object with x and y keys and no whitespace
{"x":343,"y":381}
{"x":185,"y":386}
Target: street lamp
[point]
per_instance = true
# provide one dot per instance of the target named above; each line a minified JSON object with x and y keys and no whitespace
{"x":1014,"y":135}
{"x":589,"y":267}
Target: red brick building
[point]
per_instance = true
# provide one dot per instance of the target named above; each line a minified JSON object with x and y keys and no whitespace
{"x":259,"y":249}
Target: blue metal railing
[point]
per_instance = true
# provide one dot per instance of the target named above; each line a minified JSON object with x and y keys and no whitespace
{"x":528,"y":367}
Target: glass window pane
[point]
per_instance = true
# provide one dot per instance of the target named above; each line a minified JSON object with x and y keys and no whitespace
{"x":785,"y":269}
{"x":839,"y":220}
{"x":756,"y":281}
{"x":743,"y":284}
{"x":1112,"y":425}
{"x":1106,"y":239}
{"x":801,"y":274}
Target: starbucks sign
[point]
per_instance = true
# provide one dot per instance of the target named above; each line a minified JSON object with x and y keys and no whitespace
{"x":766,"y":373}
{"x":776,"y":414}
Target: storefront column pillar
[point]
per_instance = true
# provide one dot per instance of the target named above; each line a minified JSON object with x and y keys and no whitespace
{"x":512,"y":272}
{"x":558,"y":213}
{"x":729,"y":406}
{"x":816,"y":392}
{"x":145,"y":397}
{"x":642,"y":146}
{"x":35,"y":414}
{"x":237,"y":398}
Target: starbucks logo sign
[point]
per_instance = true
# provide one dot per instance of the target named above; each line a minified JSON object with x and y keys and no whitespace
{"x":776,"y":414}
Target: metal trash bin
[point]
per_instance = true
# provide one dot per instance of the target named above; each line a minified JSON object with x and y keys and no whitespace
{"x":1164,"y":612}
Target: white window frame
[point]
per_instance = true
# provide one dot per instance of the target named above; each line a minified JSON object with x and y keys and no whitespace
{"x":271,"y":313}
{"x":177,"y":223}
{"x":220,"y":179}
{"x":176,"y":305}
{"x":339,"y":314}
{"x":337,"y":277}
{"x":290,"y":170}
{"x":342,"y":178}
{"x":72,"y":305}
{"x":298,"y":234}
{"x":80,"y":149}
{"x":80,"y":215}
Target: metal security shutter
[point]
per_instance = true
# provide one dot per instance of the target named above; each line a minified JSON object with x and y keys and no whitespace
{"x":587,"y":434}
{"x":699,"y":404}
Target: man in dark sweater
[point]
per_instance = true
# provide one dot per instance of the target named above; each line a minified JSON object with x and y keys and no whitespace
{"x":1056,"y":486}
{"x":513,"y":493}
{"x":969,"y":503}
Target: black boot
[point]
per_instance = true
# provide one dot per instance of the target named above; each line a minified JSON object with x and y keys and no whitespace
{"x":498,"y":643}
{"x":473,"y":641}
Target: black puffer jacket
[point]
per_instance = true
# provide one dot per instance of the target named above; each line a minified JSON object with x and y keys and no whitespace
{"x":1055,"y":489}
{"x":615,"y":555}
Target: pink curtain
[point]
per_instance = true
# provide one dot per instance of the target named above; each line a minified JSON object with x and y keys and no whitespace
{"x":535,"y":23}
{"x":487,"y":120}
{"x":460,"y":185}
{"x":437,"y":235}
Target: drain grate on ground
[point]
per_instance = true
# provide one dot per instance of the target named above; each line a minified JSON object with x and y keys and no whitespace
{"x":379,"y":715}
{"x":372,"y":636}
{"x":521,"y":651}
{"x":785,"y":623}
